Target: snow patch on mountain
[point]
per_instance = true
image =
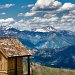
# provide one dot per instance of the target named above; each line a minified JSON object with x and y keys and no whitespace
{"x":40,"y":30}
{"x":45,"y":29}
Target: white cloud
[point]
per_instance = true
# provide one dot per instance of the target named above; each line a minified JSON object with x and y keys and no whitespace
{"x":63,"y":22}
{"x":23,"y":6}
{"x":6,"y":6}
{"x":44,"y":20}
{"x":54,"y":19}
{"x":29,"y":6}
{"x":8,"y":23}
{"x":27,"y":14}
{"x":40,"y":20}
{"x":66,"y":17}
{"x":21,"y":14}
{"x":57,"y":4}
{"x":52,"y":6}
{"x":8,"y":20}
{"x":66,"y":22}
{"x":22,"y":25}
{"x":36,"y":22}
{"x":67,"y":6}
{"x":50,"y":17}
{"x":2,"y":13}
{"x":72,"y":12}
{"x":46,"y":4}
{"x":30,"y":13}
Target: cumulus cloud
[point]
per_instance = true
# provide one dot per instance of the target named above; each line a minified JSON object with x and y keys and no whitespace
{"x":72,"y":12}
{"x":23,"y":24}
{"x":36,"y":22}
{"x":57,"y":4}
{"x":30,"y":13}
{"x":66,"y":22}
{"x":8,"y":20}
{"x":68,"y":18}
{"x":29,"y":6}
{"x":44,"y":20}
{"x":46,"y":4}
{"x":6,"y":6}
{"x":52,"y":6}
{"x":2,"y":13}
{"x":27,"y":14}
{"x":21,"y":14}
{"x":8,"y":23}
{"x":67,"y":6}
{"x":51,"y":16}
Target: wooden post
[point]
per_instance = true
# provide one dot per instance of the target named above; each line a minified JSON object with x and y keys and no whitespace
{"x":28,"y":65}
{"x":15,"y":65}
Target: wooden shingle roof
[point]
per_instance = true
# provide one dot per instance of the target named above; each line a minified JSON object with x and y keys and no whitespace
{"x":11,"y":47}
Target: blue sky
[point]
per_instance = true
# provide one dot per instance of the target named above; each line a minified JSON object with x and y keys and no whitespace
{"x":28,"y":14}
{"x":13,"y":11}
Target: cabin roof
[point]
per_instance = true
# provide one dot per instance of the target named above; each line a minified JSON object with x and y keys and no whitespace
{"x":11,"y":47}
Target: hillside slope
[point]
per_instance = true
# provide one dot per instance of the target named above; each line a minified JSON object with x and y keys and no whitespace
{"x":43,"y":70}
{"x":59,"y":58}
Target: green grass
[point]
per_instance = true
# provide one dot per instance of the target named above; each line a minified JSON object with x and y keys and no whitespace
{"x":25,"y":66}
{"x":43,"y":70}
{"x":56,"y":71}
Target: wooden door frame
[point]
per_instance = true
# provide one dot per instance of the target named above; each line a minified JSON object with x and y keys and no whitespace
{"x":28,"y":61}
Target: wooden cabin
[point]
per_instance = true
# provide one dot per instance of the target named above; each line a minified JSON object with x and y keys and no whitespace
{"x":11,"y":57}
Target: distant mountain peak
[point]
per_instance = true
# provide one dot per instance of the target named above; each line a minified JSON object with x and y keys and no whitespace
{"x":49,"y":28}
{"x":44,"y":29}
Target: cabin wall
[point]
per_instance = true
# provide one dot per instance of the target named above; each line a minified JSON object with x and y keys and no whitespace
{"x":3,"y":64}
{"x":19,"y":66}
{"x":7,"y":65}
{"x":11,"y":66}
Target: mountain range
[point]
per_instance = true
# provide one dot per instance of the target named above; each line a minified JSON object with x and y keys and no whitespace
{"x":59,"y":58}
{"x":53,"y":47}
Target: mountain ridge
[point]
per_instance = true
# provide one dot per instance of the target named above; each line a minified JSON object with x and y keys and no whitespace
{"x":48,"y":42}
